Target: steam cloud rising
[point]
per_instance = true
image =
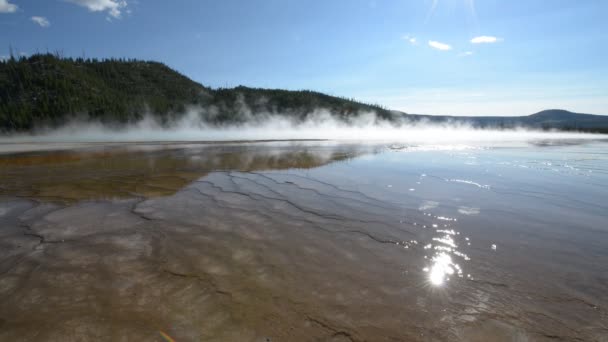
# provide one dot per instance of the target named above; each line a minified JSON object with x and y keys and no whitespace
{"x":317,"y":125}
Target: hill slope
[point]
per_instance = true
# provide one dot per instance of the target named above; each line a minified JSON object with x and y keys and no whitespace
{"x":47,"y":90}
{"x":566,"y":119}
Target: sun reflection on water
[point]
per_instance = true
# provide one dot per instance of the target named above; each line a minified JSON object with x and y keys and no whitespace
{"x":443,"y":262}
{"x":441,"y":269}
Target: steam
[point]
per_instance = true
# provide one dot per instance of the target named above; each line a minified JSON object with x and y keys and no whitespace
{"x":320,"y":124}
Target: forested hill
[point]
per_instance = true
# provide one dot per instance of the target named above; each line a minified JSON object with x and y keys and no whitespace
{"x":46,"y":90}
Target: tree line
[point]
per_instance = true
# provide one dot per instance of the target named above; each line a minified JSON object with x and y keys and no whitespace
{"x":49,"y":90}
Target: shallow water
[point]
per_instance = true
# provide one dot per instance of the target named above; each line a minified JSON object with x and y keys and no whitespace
{"x":306,"y":241}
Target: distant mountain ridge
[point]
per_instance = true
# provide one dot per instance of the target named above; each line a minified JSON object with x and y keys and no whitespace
{"x":45,"y":90}
{"x":547,"y":119}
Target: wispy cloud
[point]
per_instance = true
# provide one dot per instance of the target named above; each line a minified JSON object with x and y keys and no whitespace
{"x":7,"y":7}
{"x":465,"y":54}
{"x":42,"y":21}
{"x":439,"y":46}
{"x":485,"y":40}
{"x":410,"y":39}
{"x":114,"y":8}
{"x":431,"y":11}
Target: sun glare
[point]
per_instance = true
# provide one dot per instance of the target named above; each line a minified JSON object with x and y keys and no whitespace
{"x":441,"y":269}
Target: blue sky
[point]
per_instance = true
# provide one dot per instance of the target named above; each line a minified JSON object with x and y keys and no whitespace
{"x":462,"y":57}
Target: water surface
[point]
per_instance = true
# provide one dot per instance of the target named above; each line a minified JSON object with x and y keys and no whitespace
{"x":305,"y":241}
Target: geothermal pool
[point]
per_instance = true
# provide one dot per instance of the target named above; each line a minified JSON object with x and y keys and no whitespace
{"x":305,"y":241}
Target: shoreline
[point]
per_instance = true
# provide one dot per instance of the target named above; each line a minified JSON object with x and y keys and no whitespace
{"x":46,"y":146}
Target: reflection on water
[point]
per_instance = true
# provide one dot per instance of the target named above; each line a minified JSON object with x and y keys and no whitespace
{"x":302,"y":242}
{"x":444,"y":248}
{"x":149,"y":170}
{"x":468,"y":210}
{"x":442,"y":267}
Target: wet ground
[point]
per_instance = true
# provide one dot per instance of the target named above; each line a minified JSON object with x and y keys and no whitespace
{"x":315,"y":241}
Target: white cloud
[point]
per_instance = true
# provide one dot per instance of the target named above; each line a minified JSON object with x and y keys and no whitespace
{"x":7,"y":7}
{"x":42,"y":21}
{"x":112,"y":7}
{"x":439,"y":46}
{"x":410,"y":39}
{"x":485,"y":40}
{"x":465,"y":54}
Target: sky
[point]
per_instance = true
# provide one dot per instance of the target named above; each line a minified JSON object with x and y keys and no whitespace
{"x":450,"y":57}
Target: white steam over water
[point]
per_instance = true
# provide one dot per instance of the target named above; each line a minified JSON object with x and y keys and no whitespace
{"x":273,"y":127}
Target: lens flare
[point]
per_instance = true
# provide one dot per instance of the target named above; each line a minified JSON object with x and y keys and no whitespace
{"x":166,"y":336}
